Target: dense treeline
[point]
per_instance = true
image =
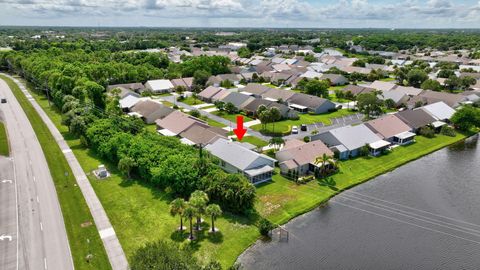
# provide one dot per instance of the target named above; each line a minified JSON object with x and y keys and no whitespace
{"x":85,"y":75}
{"x":166,"y":163}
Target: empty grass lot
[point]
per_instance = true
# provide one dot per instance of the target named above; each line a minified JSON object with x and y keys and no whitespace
{"x":3,"y":140}
{"x":255,"y":141}
{"x":83,"y":240}
{"x":231,"y":117}
{"x":190,"y":101}
{"x":285,"y":126}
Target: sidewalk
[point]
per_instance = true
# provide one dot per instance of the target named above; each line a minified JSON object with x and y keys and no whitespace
{"x":114,"y":250}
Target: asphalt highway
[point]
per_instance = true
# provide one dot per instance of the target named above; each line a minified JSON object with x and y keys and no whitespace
{"x":32,"y":230}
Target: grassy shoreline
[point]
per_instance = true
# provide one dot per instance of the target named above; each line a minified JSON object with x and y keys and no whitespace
{"x":139,"y":214}
{"x":83,"y":240}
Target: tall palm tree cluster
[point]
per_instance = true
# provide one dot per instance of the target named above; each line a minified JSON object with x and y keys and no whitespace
{"x":195,"y":208}
{"x":267,"y":116}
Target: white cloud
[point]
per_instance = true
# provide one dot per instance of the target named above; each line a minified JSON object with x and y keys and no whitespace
{"x":277,"y":13}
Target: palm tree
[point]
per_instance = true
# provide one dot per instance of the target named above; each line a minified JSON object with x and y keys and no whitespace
{"x":275,"y":115}
{"x":177,"y":207}
{"x":199,"y":200}
{"x":324,"y":159}
{"x":190,"y":212}
{"x":214,"y":211}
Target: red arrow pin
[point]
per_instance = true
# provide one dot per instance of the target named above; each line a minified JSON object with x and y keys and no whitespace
{"x":240,"y":130}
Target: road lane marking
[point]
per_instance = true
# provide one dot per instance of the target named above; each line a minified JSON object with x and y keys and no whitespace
{"x":45,"y":263}
{"x":38,"y":201}
{"x":7,"y":181}
{"x":34,"y":179}
{"x":41,"y":226}
{"x":4,"y":236}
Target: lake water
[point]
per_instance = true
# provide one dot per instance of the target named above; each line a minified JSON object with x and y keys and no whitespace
{"x":423,"y":215}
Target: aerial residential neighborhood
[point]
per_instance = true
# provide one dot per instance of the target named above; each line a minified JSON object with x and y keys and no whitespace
{"x":239,"y":135}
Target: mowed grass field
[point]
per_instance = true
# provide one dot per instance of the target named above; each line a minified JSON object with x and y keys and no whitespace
{"x":139,"y":212}
{"x":4,"y":150}
{"x":84,"y":240}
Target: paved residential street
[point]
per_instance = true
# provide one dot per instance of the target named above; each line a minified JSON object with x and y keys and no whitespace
{"x":42,"y":239}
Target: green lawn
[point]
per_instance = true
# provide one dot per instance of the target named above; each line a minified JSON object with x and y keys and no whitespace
{"x":3,"y":141}
{"x":139,"y":213}
{"x":285,"y":126}
{"x":83,"y":240}
{"x":282,"y":199}
{"x":334,"y":98}
{"x":389,"y":79}
{"x":338,"y":87}
{"x":231,"y":117}
{"x":214,"y":123}
{"x":254,"y":140}
{"x":191,"y":101}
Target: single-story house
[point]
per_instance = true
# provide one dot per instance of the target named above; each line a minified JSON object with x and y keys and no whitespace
{"x":452,"y":100}
{"x":301,"y":157}
{"x":159,"y":86}
{"x":278,"y":95}
{"x":357,"y":89}
{"x":382,"y":86}
{"x":390,"y":128}
{"x":239,"y":100}
{"x":439,"y":110}
{"x":307,"y":103}
{"x":398,"y":97}
{"x":234,"y":158}
{"x":135,"y":87}
{"x":407,"y":90}
{"x":217,"y":80}
{"x":255,"y":89}
{"x":150,"y":110}
{"x":207,"y":94}
{"x":218,"y":96}
{"x":185,"y":82}
{"x":348,"y":140}
{"x":176,"y":123}
{"x":335,"y":79}
{"x":201,"y":134}
{"x":127,"y":102}
{"x":415,"y":119}
{"x":252,"y":107}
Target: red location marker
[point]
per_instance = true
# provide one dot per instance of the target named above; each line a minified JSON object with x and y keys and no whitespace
{"x":240,"y":130}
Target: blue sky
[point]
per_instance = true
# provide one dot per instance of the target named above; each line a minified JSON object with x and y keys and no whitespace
{"x":244,"y":13}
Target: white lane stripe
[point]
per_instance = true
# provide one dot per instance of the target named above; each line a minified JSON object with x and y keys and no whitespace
{"x":45,"y":263}
{"x":38,"y":201}
{"x":34,"y":179}
{"x":41,"y":226}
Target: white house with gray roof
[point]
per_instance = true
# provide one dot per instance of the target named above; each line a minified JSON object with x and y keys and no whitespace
{"x":234,"y":158}
{"x":347,"y":141}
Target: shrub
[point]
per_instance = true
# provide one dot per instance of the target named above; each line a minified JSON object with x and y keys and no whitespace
{"x":306,"y":139}
{"x":448,"y":131}
{"x":265,"y":226}
{"x":427,"y":132}
{"x":195,"y":113}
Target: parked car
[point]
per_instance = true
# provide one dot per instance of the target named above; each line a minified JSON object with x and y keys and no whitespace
{"x":4,"y":100}
{"x":303,"y":127}
{"x":294,"y":130}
